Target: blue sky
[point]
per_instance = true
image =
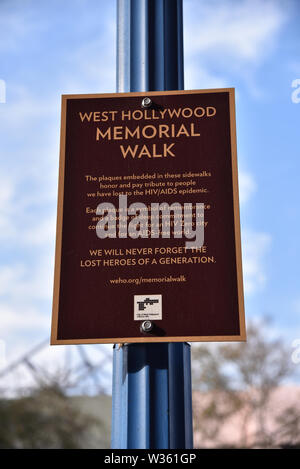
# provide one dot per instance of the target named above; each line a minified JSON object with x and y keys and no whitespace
{"x":48,"y":48}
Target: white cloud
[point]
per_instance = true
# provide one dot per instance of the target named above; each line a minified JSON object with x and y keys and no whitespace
{"x":26,"y":220}
{"x":296,"y":305}
{"x":22,"y":320}
{"x":245,"y":29}
{"x":24,"y":109}
{"x":41,"y":233}
{"x":28,"y":282}
{"x":98,"y":75}
{"x":8,"y":276}
{"x":6,"y":196}
{"x":16,"y":28}
{"x":227,"y":40}
{"x":199,"y":77}
{"x":247,"y":186}
{"x":255,"y":245}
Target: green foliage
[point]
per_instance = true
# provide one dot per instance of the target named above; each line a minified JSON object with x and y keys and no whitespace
{"x":45,"y":419}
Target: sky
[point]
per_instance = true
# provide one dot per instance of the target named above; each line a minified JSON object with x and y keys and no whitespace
{"x":49,"y":48}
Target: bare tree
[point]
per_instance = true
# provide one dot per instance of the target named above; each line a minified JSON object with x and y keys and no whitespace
{"x":241,"y":379}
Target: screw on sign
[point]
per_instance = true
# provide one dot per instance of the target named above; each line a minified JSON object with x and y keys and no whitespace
{"x":146,"y":326}
{"x":146,"y":102}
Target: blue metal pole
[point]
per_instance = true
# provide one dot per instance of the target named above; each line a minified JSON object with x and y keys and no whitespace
{"x":152,"y":397}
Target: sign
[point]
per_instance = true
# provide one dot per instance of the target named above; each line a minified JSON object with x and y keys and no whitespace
{"x":148,"y":234}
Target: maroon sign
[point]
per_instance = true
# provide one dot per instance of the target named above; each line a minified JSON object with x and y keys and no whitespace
{"x":148,"y":238}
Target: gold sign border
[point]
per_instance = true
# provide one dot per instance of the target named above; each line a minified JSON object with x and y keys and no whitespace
{"x":54,"y":327}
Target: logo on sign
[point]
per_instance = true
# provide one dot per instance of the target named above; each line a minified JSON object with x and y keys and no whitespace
{"x":147,"y":307}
